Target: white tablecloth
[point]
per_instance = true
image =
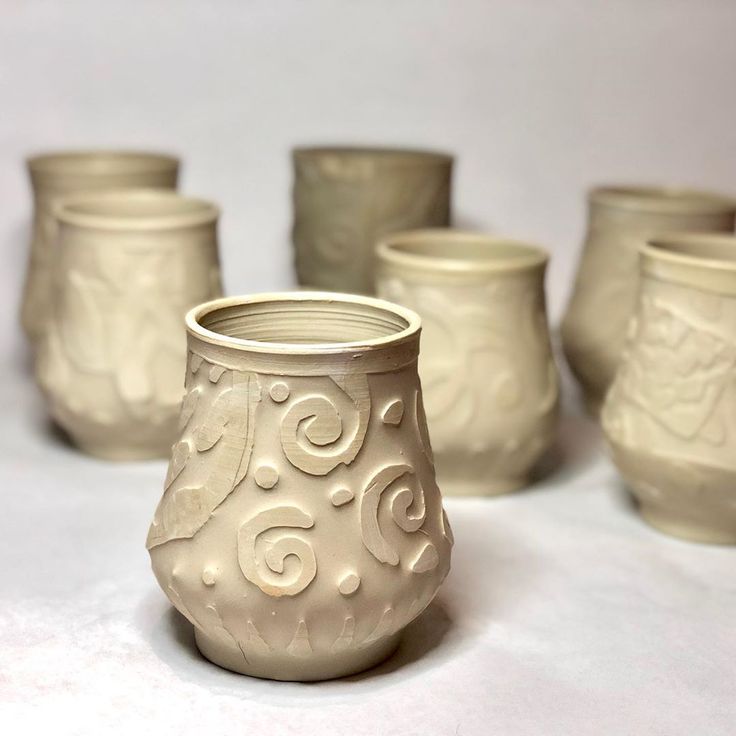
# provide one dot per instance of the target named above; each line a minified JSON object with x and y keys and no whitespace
{"x":563,"y":614}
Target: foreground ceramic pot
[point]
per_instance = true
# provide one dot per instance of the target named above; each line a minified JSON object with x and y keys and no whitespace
{"x":347,"y":198}
{"x":670,"y":416}
{"x":301,"y":528}
{"x":58,"y":174}
{"x":127,"y":267}
{"x":621,"y":219}
{"x":490,"y":382}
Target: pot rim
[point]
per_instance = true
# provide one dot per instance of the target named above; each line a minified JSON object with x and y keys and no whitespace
{"x":662,"y":199}
{"x":529,"y":255}
{"x":196,"y":329}
{"x":380,"y":155}
{"x":99,"y":162}
{"x":195,"y":211}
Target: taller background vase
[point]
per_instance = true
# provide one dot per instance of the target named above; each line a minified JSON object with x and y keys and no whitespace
{"x":345,"y":199}
{"x":301,"y":528}
{"x":620,"y":220}
{"x":670,"y":416}
{"x":56,"y":174}
{"x":111,"y":360}
{"x":489,"y":379}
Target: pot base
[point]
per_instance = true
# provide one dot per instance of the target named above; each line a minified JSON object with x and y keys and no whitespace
{"x":284,"y":666}
{"x":683,"y":527}
{"x":483,"y":487}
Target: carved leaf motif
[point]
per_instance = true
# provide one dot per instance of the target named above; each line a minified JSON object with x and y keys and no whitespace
{"x":320,"y":432}
{"x":403,"y":498}
{"x":182,"y":515}
{"x":81,"y":323}
{"x":264,"y":564}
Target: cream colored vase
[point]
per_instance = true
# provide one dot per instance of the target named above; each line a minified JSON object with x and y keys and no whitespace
{"x":670,"y":416}
{"x":489,"y":379}
{"x":621,"y":219}
{"x":346,"y":198}
{"x":127,"y":267}
{"x":58,"y":174}
{"x":301,"y":528}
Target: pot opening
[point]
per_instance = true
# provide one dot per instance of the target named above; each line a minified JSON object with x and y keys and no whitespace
{"x":375,"y":154}
{"x":662,"y":199}
{"x":452,"y":249}
{"x":100,"y":163}
{"x":715,"y":249}
{"x":305,"y":320}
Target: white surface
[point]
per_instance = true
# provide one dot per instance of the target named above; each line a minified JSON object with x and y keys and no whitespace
{"x":539,"y":100}
{"x":563,"y":614}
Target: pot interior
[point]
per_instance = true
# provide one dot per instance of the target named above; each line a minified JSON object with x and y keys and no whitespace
{"x":304,"y":322}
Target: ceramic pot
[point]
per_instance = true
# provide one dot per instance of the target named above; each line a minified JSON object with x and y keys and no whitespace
{"x":127,"y":267}
{"x":301,"y":528}
{"x":58,"y":174}
{"x":490,"y":382}
{"x":346,"y":198}
{"x":621,"y":219}
{"x":670,"y":415}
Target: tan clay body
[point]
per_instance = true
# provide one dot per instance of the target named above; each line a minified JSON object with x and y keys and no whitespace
{"x":346,"y":198}
{"x":670,"y":415}
{"x":128,"y":265}
{"x":301,"y":528}
{"x":489,"y":379}
{"x":621,"y":219}
{"x":58,"y":174}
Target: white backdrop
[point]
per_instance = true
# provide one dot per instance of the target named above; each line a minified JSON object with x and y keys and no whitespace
{"x":538,"y":99}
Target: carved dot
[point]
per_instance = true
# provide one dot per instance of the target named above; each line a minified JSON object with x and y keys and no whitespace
{"x":341,"y":496}
{"x":267,"y":476}
{"x":393,"y":413}
{"x":209,"y":576}
{"x":349,"y":584}
{"x":216,"y":373}
{"x":279,"y":391}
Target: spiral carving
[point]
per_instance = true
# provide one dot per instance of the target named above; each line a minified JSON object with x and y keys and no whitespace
{"x":264,"y":561}
{"x":320,"y":432}
{"x":393,"y":481}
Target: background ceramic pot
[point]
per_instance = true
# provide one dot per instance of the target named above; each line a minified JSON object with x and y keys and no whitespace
{"x":58,"y":174}
{"x":489,"y":379}
{"x":346,"y":198}
{"x":301,"y":528}
{"x":127,"y":267}
{"x":620,"y":220}
{"x":670,"y":415}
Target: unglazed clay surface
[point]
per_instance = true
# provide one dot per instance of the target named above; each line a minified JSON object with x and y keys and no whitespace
{"x":345,"y":199}
{"x":56,"y":175}
{"x":621,"y":219}
{"x":669,"y":416}
{"x":111,"y":361}
{"x":490,"y":383}
{"x":301,"y":528}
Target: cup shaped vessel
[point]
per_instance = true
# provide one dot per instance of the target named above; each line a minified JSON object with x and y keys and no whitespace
{"x":301,"y":527}
{"x":620,"y":220}
{"x":490,"y":383}
{"x":345,"y":199}
{"x":127,"y":267}
{"x":58,"y":174}
{"x":670,"y":415}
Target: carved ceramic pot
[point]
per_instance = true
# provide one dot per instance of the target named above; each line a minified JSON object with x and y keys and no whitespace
{"x":58,"y":174}
{"x":489,"y":379}
{"x":301,"y":528}
{"x":621,"y":219}
{"x":128,"y":265}
{"x":670,"y":415}
{"x":347,"y":198}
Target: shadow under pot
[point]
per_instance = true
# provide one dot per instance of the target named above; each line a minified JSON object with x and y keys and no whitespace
{"x":345,"y":199}
{"x":300,"y":528}
{"x":55,"y":175}
{"x":620,"y":220}
{"x":490,"y":383}
{"x":128,"y":265}
{"x":670,"y":415}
